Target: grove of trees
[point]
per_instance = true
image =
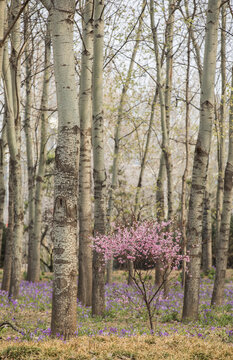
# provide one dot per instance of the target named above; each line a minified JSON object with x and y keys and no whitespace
{"x":114,"y":113}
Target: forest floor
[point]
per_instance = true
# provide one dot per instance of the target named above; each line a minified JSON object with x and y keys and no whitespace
{"x":123,"y":332}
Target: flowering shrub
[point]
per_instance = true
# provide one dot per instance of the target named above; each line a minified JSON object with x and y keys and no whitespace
{"x":146,"y":244}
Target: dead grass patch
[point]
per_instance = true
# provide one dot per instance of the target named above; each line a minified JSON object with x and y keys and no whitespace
{"x":114,"y":348}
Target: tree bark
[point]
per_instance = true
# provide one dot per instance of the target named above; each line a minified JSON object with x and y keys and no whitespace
{"x":11,"y":77}
{"x":189,"y":20}
{"x":85,"y":173}
{"x":207,"y":234}
{"x":98,"y":292}
{"x":144,"y":158}
{"x":186,"y":169}
{"x":2,"y":21}
{"x":9,"y":234}
{"x":34,"y":275}
{"x":164,"y":102}
{"x":223,"y":244}
{"x":200,"y":166}
{"x":3,"y":144}
{"x":160,"y":211}
{"x":64,"y":299}
{"x":221,"y":129}
{"x":29,"y":143}
{"x":167,"y":98}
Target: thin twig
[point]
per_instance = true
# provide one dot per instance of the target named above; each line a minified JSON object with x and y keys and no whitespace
{"x":7,"y":323}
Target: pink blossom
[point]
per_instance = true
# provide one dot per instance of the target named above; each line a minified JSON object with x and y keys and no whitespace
{"x":147,"y":242}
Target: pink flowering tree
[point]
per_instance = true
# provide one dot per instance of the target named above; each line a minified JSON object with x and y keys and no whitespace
{"x":144,"y":244}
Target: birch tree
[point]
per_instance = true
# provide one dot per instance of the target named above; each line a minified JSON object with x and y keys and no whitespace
{"x":3,"y":145}
{"x":221,"y":127}
{"x":29,"y":141}
{"x":6,"y":278}
{"x":165,"y":103}
{"x":64,"y":299}
{"x":85,"y":173}
{"x":223,"y":243}
{"x":187,"y":154}
{"x":169,"y":35}
{"x":98,"y":291}
{"x":165,"y":95}
{"x":11,"y":77}
{"x":2,"y":21}
{"x":144,"y":158}
{"x":200,"y":166}
{"x":34,"y":258}
{"x":206,"y":233}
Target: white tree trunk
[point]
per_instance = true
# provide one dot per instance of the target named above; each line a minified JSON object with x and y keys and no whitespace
{"x":11,"y":76}
{"x":37,"y":229}
{"x":200,"y":166}
{"x":9,"y":235}
{"x":2,"y":20}
{"x":98,"y":291}
{"x":64,"y":300}
{"x":29,"y":142}
{"x":164,"y":104}
{"x":206,"y":233}
{"x":85,"y":172}
{"x":223,"y":244}
{"x":221,"y":129}
{"x":3,"y":145}
{"x":144,"y":158}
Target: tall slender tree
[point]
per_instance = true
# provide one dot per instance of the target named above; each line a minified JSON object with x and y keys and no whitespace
{"x":206,"y":232}
{"x":164,"y":91}
{"x":85,"y":172}
{"x":2,"y":21}
{"x":11,"y":77}
{"x":221,"y":127}
{"x":9,"y":234}
{"x":98,"y":297}
{"x":187,"y":154}
{"x":34,"y":259}
{"x":29,"y":140}
{"x":3,"y":146}
{"x":223,"y":243}
{"x":145,"y":154}
{"x":169,"y":36}
{"x":200,"y":166}
{"x":64,"y":299}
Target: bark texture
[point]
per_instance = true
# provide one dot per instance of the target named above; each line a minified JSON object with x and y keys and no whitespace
{"x":2,"y":20}
{"x":207,"y":234}
{"x":64,"y":299}
{"x":223,"y":244}
{"x":144,"y":157}
{"x":29,"y":143}
{"x":221,"y":129}
{"x":3,"y":145}
{"x":187,"y":154}
{"x":98,"y":292}
{"x":37,"y":229}
{"x":85,"y":171}
{"x":9,"y":235}
{"x":11,"y":77}
{"x":200,"y":166}
{"x":165,"y":97}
